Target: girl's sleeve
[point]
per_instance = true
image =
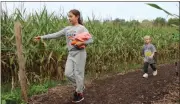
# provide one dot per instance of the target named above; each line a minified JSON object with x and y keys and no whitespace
{"x":90,"y":40}
{"x":54,"y":35}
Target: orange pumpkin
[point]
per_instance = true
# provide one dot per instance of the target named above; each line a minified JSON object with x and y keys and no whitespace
{"x":74,"y":42}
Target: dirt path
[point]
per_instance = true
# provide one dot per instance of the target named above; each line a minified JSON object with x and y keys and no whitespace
{"x":130,"y":88}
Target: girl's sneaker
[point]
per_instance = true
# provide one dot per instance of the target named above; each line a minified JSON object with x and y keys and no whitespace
{"x":145,"y":75}
{"x":154,"y":73}
{"x":78,"y":97}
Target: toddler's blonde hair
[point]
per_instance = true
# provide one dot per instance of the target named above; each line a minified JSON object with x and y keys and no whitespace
{"x":147,"y":37}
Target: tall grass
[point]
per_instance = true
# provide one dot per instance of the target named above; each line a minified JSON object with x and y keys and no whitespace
{"x":114,"y":46}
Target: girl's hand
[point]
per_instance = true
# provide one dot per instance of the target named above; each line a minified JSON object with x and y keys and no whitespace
{"x":36,"y":39}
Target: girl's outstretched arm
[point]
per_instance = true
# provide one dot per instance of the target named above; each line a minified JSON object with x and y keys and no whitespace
{"x":54,"y":35}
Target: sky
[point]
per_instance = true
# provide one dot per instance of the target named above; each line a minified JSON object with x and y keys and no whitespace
{"x":101,"y":10}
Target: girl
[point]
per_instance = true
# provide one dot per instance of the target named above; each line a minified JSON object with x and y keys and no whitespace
{"x":75,"y":64}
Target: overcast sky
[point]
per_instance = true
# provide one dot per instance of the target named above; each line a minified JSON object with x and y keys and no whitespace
{"x":101,"y":10}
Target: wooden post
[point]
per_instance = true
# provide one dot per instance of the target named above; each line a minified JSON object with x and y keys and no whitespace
{"x":21,"y":61}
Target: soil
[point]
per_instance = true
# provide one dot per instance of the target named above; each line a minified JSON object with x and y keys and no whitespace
{"x":129,"y":88}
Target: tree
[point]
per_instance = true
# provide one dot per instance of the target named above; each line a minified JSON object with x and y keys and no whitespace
{"x":106,"y":21}
{"x":159,"y":21}
{"x":133,"y":23}
{"x":119,"y":21}
{"x":146,"y":23}
{"x":174,"y":21}
{"x":122,"y":21}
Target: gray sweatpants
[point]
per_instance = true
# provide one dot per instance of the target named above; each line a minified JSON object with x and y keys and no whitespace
{"x":75,"y":67}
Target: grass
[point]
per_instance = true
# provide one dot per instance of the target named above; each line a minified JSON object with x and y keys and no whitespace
{"x":14,"y":96}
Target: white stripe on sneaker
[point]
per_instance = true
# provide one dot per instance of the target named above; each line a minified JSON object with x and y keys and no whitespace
{"x":78,"y":101}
